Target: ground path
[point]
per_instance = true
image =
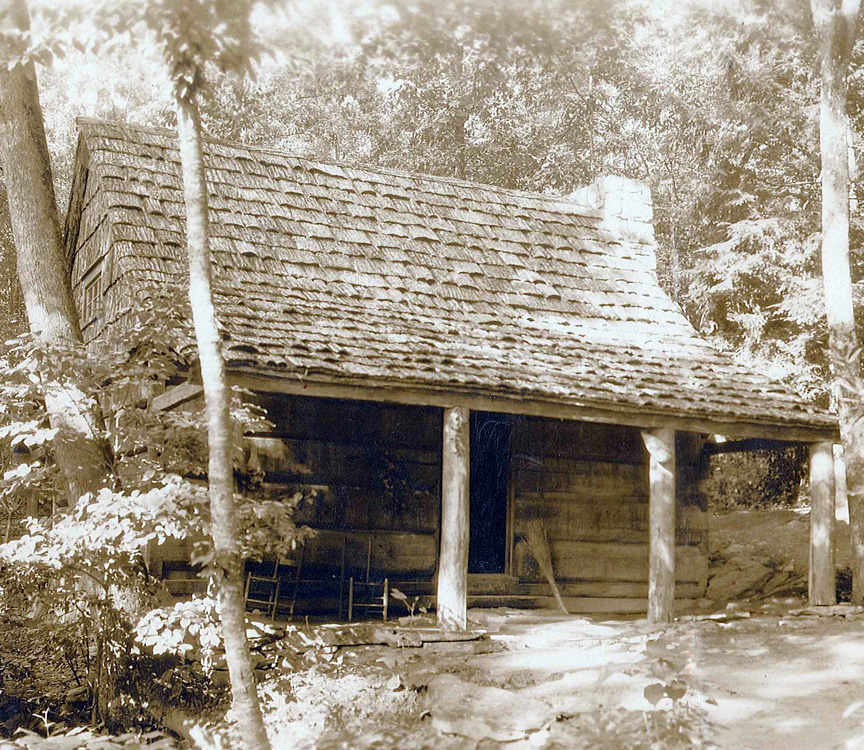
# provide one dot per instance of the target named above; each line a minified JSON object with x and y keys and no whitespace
{"x":783,"y":683}
{"x":768,"y":682}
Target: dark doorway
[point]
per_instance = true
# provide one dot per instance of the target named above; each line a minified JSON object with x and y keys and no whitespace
{"x":491,"y":435}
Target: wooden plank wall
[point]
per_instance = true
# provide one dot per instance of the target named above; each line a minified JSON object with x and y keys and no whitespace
{"x":92,"y":247}
{"x":376,"y":473}
{"x":132,"y":259}
{"x":590,"y":484}
{"x":376,"y":469}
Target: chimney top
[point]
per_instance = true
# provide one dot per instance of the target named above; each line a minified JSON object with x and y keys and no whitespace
{"x":626,"y":211}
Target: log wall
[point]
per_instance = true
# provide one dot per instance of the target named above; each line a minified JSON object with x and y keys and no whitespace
{"x":589,"y":483}
{"x":375,"y":470}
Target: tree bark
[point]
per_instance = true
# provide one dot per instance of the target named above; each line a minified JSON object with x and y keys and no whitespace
{"x":81,"y":449}
{"x":219,"y":434}
{"x":841,"y":498}
{"x":835,"y":22}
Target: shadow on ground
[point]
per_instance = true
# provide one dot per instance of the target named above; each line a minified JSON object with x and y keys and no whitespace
{"x":540,"y":680}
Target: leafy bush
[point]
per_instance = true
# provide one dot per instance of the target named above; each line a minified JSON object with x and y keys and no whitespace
{"x":77,"y":580}
{"x":680,"y":728}
{"x":85,"y":739}
{"x":757,"y":479}
{"x":182,"y":628}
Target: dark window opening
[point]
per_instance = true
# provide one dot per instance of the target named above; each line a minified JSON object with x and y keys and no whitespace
{"x":491,"y":436}
{"x":91,"y":295}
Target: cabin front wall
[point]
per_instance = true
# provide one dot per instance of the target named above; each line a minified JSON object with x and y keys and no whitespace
{"x":375,"y":473}
{"x":370,"y":473}
{"x":589,"y":484}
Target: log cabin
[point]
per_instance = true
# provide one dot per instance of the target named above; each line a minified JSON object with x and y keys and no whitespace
{"x":444,"y":362}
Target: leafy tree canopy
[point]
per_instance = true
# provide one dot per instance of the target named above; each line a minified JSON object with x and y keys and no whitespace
{"x":714,"y":104}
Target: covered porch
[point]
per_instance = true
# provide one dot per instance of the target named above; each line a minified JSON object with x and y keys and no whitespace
{"x":435,"y":499}
{"x":627,"y":523}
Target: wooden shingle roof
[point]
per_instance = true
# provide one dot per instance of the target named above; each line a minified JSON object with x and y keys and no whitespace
{"x":331,"y":274}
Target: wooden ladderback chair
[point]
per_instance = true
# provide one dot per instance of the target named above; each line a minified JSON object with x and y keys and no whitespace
{"x":313,"y":580}
{"x":263,"y":591}
{"x":368,"y":596}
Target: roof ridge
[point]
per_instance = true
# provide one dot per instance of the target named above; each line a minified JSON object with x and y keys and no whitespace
{"x":582,"y":209}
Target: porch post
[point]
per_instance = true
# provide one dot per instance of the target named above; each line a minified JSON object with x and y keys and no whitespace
{"x":661,"y":513}
{"x":822,"y":585}
{"x":452,"y":604}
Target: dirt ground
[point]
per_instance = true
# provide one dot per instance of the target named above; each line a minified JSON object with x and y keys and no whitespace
{"x":770,"y":681}
{"x":782,"y":682}
{"x":753,"y":676}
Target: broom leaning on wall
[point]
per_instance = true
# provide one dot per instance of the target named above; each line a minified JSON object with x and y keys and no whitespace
{"x":538,"y":542}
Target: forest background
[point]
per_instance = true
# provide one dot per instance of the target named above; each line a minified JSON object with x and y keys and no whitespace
{"x":714,"y":104}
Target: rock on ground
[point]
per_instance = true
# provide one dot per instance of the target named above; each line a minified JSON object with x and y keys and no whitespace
{"x":738,"y":576}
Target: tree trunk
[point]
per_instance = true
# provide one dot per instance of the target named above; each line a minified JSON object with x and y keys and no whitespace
{"x":841,"y":497}
{"x":835,"y":23}
{"x":217,"y":402}
{"x":80,"y":449}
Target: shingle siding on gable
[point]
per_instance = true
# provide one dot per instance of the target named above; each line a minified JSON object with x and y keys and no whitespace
{"x":353,"y":275}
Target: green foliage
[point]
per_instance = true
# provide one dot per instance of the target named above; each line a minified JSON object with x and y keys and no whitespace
{"x":752,"y":480}
{"x":77,"y":580}
{"x":411,"y":603}
{"x":104,"y":534}
{"x":267,"y":528}
{"x":679,"y":728}
{"x":182,"y":628}
{"x":677,"y":719}
{"x":87,"y":739}
{"x":713,"y":105}
{"x":80,"y":583}
{"x":13,"y":318}
{"x":195,"y":33}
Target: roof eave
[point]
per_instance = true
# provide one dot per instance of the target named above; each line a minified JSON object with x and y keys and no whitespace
{"x":72,"y":221}
{"x":823,"y":429}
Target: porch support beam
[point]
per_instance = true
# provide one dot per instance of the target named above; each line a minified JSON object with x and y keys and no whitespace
{"x":371,"y":390}
{"x":661,"y":524}
{"x":452,"y":600}
{"x":177,"y":395}
{"x":822,"y":583}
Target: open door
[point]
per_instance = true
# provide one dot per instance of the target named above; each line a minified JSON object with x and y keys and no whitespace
{"x":491,"y":436}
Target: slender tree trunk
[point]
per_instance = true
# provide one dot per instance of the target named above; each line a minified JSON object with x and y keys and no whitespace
{"x":835,"y":22}
{"x":217,"y":402}
{"x":81,"y":449}
{"x":676,"y":262}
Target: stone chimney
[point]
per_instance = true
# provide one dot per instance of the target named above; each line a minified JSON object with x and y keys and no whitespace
{"x":626,"y":211}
